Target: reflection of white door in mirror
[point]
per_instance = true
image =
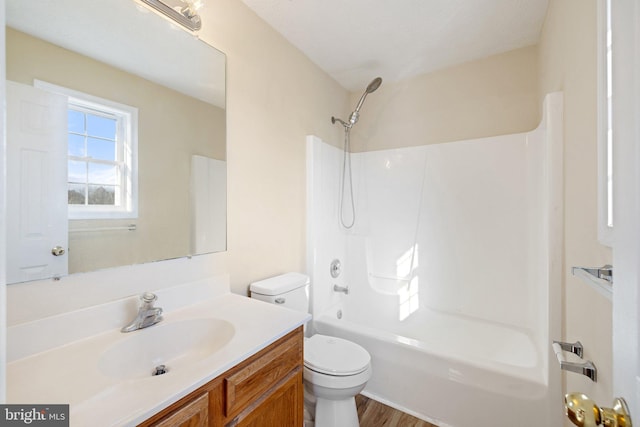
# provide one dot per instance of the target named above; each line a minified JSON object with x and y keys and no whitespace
{"x":208,"y":191}
{"x":37,"y":206}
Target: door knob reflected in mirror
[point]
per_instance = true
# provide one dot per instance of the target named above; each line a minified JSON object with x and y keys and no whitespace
{"x":583,"y":412}
{"x":57,"y":251}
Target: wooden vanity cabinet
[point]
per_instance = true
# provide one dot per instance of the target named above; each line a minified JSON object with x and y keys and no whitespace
{"x":194,"y":413}
{"x":265,"y":390}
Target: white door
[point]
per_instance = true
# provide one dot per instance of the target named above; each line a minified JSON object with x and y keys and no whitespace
{"x":36,"y":183}
{"x":626,"y":193}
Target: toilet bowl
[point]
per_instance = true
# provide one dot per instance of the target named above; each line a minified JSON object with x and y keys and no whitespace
{"x":335,"y":369}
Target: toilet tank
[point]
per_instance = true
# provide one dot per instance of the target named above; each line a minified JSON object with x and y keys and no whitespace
{"x":289,"y":290}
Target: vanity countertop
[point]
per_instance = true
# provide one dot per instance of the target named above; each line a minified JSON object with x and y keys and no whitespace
{"x":70,"y":373}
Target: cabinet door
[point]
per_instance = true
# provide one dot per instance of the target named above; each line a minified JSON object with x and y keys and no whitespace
{"x":282,"y":407}
{"x":254,"y":379}
{"x":193,"y":414}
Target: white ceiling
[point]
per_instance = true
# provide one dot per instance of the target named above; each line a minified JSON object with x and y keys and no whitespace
{"x":357,"y":40}
{"x":127,"y":36}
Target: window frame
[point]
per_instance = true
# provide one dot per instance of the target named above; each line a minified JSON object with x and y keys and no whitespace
{"x":127,"y":118}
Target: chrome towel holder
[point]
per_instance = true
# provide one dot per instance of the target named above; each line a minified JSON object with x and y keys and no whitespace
{"x":587,"y":368}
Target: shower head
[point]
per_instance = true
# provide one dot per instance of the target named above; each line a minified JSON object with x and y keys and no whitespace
{"x":375,"y":84}
{"x":353,"y":118}
{"x":372,"y":87}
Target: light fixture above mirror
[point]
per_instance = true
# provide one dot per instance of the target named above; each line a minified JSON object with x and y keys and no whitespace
{"x":187,"y":16}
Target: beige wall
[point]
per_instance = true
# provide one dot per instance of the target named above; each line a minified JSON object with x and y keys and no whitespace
{"x":492,"y":96}
{"x":169,"y":132}
{"x":568,"y":54}
{"x":275,"y":97}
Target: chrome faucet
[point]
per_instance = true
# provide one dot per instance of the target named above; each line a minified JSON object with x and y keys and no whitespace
{"x":148,"y":315}
{"x":343,"y":289}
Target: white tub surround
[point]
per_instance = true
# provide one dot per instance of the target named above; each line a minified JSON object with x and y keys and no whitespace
{"x":57,"y":359}
{"x":454,"y":272}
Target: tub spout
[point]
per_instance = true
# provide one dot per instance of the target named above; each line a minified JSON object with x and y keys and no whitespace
{"x":343,"y":289}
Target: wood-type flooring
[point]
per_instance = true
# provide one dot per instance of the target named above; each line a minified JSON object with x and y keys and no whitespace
{"x":375,"y":414}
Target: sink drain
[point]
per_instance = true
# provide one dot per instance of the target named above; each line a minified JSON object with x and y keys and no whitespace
{"x":159,"y":370}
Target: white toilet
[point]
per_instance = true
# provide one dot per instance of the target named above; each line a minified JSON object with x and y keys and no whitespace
{"x":335,"y":370}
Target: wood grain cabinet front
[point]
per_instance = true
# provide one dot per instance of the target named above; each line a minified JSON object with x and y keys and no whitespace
{"x":191,"y":414}
{"x":281,"y":407}
{"x":265,"y":390}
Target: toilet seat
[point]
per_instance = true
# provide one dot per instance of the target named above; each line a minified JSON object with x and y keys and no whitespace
{"x":335,"y":356}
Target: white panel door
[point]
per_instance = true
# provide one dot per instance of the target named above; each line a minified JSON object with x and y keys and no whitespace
{"x":626,"y":193}
{"x":36,"y":183}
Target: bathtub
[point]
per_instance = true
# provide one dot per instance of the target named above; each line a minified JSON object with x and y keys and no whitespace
{"x":457,"y":372}
{"x":454,"y":271}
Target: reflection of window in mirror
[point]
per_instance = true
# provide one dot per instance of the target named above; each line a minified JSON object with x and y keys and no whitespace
{"x":102,"y":167}
{"x":605,"y":139}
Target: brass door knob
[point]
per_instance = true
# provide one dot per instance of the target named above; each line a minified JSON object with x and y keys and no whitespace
{"x":583,"y":412}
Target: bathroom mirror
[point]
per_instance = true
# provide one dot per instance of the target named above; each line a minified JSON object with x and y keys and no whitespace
{"x":162,"y":194}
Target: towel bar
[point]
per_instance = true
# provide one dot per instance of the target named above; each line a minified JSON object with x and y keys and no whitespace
{"x":573,"y":347}
{"x":604,"y":273}
{"x":587,"y":368}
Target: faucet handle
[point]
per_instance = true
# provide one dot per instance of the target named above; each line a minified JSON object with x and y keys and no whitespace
{"x":148,"y":297}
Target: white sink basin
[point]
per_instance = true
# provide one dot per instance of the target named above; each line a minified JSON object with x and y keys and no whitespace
{"x":173,"y":344}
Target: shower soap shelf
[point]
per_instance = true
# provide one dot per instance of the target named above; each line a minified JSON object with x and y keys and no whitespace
{"x":600,"y":279}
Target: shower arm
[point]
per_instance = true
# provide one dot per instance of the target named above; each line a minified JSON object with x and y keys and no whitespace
{"x":342,"y":122}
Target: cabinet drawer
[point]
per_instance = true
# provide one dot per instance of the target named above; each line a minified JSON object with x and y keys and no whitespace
{"x":192,"y":414}
{"x":254,"y":379}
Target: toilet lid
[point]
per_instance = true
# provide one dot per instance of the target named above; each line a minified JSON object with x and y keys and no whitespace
{"x":334,"y":356}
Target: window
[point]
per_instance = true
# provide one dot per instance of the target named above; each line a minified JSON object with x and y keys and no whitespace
{"x":102,"y":148}
{"x":605,"y":135}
